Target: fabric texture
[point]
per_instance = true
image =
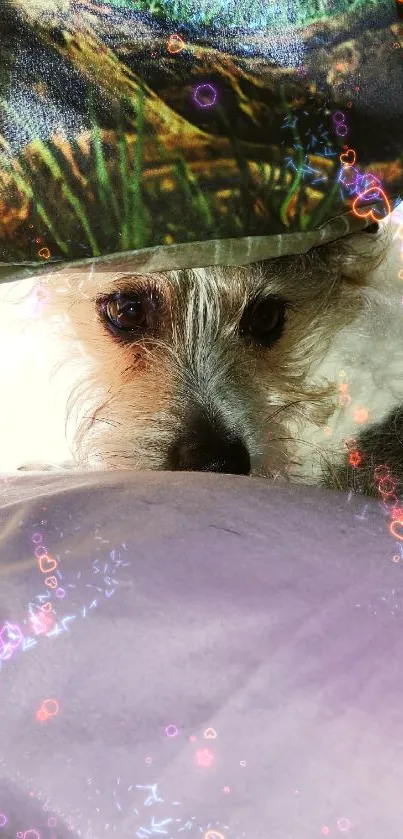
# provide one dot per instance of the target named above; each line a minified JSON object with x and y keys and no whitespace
{"x":197,"y":655}
{"x":181,"y":134}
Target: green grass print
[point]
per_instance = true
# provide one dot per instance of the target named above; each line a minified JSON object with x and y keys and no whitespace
{"x":106,"y":194}
{"x":114,"y":217}
{"x":276,"y":14}
{"x":299,"y":162}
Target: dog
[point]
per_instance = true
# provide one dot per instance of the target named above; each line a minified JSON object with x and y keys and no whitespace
{"x":279,"y":369}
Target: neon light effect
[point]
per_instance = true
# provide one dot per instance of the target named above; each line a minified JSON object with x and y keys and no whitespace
{"x":392,"y":505}
{"x":210,"y":734}
{"x":386,"y":486}
{"x":41,"y":619}
{"x":47,"y":564}
{"x":394,"y":525}
{"x":366,"y":183}
{"x":41,"y":623}
{"x":175,"y":44}
{"x":11,"y":638}
{"x":44,"y":253}
{"x":381,"y":471}
{"x":121,"y":795}
{"x":340,"y":118}
{"x":355,"y":459}
{"x":48,"y":709}
{"x":51,"y":582}
{"x":203,"y":87}
{"x":348,"y":158}
{"x":374,"y":214}
{"x":154,"y":795}
{"x":204,"y":758}
{"x":3,"y":820}
{"x":350,"y":177}
{"x":357,"y":183}
{"x":171,"y":731}
{"x":369,"y":181}
{"x":339,"y":121}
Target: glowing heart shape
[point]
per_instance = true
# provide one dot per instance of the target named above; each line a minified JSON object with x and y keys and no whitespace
{"x":175,"y":44}
{"x":47,"y":564}
{"x":394,"y":529}
{"x":49,"y":708}
{"x":374,"y":213}
{"x":386,"y":486}
{"x":47,"y":607}
{"x":51,"y":582}
{"x":210,"y":734}
{"x":348,"y":158}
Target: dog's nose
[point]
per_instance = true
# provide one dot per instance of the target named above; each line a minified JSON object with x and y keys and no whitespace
{"x":213,"y":451}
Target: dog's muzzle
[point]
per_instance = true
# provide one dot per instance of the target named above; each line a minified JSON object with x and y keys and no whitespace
{"x":207,"y":447}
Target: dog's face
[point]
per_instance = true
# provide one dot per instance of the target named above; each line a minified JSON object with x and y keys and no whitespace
{"x":210,"y":369}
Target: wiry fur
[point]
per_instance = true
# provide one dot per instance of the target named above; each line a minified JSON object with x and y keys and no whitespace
{"x":134,"y":400}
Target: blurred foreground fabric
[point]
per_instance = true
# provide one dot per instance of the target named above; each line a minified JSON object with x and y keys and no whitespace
{"x":197,"y":655}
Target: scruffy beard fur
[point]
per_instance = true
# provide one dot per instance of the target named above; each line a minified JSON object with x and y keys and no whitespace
{"x":138,"y":400}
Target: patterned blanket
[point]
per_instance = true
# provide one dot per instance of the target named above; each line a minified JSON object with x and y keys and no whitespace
{"x":178,"y":133}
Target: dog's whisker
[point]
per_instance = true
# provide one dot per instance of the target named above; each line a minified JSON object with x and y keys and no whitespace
{"x":324,"y":455}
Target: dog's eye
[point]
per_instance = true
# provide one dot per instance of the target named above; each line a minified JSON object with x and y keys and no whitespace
{"x":263,"y":321}
{"x":129,"y":313}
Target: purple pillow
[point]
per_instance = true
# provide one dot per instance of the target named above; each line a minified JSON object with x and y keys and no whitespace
{"x":197,"y":655}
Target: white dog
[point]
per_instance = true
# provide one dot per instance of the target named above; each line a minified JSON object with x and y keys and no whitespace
{"x":289,"y":369}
